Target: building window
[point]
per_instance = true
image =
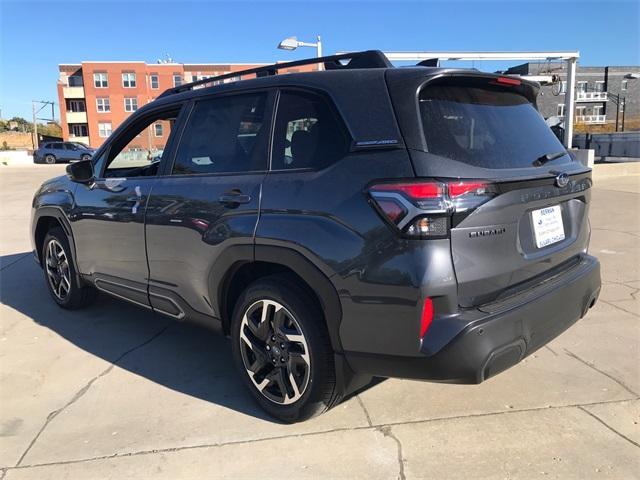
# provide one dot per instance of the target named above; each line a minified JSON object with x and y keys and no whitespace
{"x":599,"y":86}
{"x":580,"y":111}
{"x":104,"y":129}
{"x":624,"y":85}
{"x":130,"y":104}
{"x":177,"y":80}
{"x":100,"y":80}
{"x":157,"y":129}
{"x":582,"y":87}
{"x":560,"y":111}
{"x":563,"y":87}
{"x":103,"y":105}
{"x":79,"y":130}
{"x":129,"y":80}
{"x":74,"y":81}
{"x":155,"y":83}
{"x":76,"y":106}
{"x":622,"y":102}
{"x":597,"y":109}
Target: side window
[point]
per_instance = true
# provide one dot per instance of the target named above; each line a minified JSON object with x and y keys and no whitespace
{"x":224,"y":135}
{"x":138,"y":152}
{"x":57,"y":146}
{"x":308,"y":133}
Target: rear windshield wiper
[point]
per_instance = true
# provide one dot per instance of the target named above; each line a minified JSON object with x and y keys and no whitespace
{"x":547,"y":157}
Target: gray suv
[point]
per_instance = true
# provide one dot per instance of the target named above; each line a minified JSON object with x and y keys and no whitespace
{"x":337,"y":225}
{"x":54,"y":152}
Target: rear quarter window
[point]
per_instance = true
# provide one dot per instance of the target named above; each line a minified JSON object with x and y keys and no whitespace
{"x":308,"y":133}
{"x":485,"y":126}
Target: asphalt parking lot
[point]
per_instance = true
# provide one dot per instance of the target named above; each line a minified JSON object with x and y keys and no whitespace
{"x":118,"y":392}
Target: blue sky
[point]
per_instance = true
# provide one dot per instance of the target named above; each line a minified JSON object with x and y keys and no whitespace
{"x":36,"y":36}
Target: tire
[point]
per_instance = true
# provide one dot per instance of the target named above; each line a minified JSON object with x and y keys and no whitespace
{"x":49,"y":159}
{"x":301,"y":351}
{"x":60,"y":274}
{"x":85,"y":157}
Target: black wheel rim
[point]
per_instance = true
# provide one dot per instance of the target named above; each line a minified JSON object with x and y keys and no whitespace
{"x":275,"y":352}
{"x":57,"y":268}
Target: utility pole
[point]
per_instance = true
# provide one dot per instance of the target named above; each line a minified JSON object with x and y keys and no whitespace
{"x":35,"y":127}
{"x":34,"y":112}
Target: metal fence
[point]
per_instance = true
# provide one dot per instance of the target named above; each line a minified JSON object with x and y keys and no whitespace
{"x":617,"y":145}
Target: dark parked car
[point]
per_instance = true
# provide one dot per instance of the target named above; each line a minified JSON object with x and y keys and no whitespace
{"x":54,"y":152}
{"x":342,"y":224}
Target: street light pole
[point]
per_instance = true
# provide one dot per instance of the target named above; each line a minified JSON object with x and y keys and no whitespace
{"x":291,"y":43}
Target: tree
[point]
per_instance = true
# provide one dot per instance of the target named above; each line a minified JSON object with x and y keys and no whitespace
{"x":23,"y":125}
{"x":51,"y":129}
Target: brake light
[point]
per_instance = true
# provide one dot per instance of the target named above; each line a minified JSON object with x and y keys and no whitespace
{"x":461,"y":188}
{"x":414,"y":190}
{"x":423,"y":209}
{"x":427,"y":317}
{"x":508,"y":81}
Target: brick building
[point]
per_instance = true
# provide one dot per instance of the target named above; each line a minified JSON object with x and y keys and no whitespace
{"x":96,"y":97}
{"x":602,"y":93}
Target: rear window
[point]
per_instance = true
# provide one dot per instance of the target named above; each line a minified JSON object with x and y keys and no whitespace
{"x":485,"y":126}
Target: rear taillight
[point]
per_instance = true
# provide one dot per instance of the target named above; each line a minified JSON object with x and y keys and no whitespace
{"x":424,"y":209}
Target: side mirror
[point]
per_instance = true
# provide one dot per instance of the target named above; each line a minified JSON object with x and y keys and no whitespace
{"x":81,"y":172}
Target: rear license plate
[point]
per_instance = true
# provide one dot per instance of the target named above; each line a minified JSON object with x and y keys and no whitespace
{"x":548,"y":226}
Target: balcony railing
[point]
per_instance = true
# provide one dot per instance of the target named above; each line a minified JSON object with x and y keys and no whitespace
{"x":591,"y":96}
{"x":76,"y":117}
{"x":73,"y":92}
{"x":591,"y":118}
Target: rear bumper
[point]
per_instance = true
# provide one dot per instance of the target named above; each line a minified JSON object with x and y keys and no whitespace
{"x":489,"y":340}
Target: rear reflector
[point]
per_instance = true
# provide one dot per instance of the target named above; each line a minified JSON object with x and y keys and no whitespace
{"x":427,"y":317}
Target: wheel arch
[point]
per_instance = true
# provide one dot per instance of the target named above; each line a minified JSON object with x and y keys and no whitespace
{"x":45,"y":219}
{"x":270,"y":260}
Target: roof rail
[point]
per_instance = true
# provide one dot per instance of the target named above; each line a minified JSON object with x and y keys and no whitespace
{"x":364,"y":59}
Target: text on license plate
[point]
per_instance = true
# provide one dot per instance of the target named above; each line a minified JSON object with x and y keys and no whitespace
{"x":547,"y":225}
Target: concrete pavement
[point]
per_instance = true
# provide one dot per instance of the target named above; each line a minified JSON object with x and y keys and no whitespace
{"x":117,"y":392}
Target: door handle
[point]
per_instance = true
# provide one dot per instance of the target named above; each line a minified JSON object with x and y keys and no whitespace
{"x":234,"y":198}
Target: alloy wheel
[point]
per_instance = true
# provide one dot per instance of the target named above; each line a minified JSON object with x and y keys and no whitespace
{"x":58,"y":273}
{"x":275,"y":352}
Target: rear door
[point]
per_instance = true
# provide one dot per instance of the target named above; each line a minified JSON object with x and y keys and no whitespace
{"x":204,"y":208}
{"x":71,"y":152}
{"x":518,"y":202}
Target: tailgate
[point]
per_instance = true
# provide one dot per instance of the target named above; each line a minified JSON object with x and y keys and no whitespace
{"x":506,"y":245}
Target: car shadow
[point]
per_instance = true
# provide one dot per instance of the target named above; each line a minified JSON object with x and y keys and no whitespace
{"x":178,"y":355}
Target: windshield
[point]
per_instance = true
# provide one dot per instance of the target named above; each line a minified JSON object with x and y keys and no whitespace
{"x":485,"y":126}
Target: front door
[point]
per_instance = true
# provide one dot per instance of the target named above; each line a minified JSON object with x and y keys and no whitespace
{"x":205,"y":208}
{"x":108,"y":217}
